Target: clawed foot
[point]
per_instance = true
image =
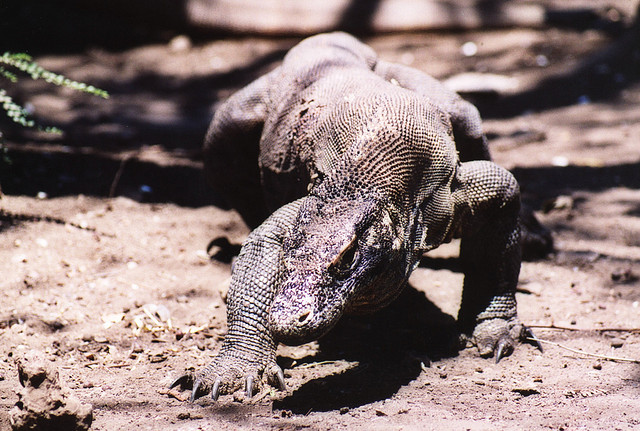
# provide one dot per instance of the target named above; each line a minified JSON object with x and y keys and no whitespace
{"x":225,"y":375}
{"x":498,"y":336}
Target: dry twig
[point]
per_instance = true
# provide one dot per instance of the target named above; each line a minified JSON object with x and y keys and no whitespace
{"x":582,"y":352}
{"x":567,"y":328}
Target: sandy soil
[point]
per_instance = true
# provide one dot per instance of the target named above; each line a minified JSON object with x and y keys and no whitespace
{"x":104,"y":231}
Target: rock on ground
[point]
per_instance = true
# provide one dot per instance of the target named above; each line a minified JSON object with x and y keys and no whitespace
{"x":44,"y":403}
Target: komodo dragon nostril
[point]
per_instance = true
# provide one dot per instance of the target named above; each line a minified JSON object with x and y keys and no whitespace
{"x":304,"y":317}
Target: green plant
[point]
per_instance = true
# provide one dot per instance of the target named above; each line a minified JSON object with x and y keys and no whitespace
{"x":10,"y":62}
{"x":25,"y":63}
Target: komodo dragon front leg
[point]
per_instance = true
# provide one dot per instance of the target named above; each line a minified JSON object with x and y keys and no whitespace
{"x":248,"y":354}
{"x":487,"y":203}
{"x":231,"y":150}
{"x":487,"y":210}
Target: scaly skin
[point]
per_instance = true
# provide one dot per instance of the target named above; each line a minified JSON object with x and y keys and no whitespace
{"x":371,"y":164}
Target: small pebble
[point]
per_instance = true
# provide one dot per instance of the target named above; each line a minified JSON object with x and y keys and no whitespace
{"x":560,"y":161}
{"x":561,"y":202}
{"x":469,"y":49}
{"x":584,"y":100}
{"x":180,"y":43}
{"x":617,"y":343}
{"x":19,"y":258}
{"x":623,"y":275}
{"x":542,"y":61}
{"x":163,"y":313}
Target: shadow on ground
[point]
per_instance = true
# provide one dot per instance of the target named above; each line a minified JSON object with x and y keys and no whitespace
{"x":601,"y":76}
{"x":541,"y":183}
{"x":389,"y":347}
{"x":61,"y":174}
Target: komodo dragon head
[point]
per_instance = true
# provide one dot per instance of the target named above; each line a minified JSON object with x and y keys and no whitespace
{"x":342,"y":256}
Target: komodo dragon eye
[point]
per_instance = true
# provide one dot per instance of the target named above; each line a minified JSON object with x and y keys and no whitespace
{"x":346,"y":260}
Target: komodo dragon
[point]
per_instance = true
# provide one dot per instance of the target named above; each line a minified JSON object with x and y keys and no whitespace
{"x":367,"y":164}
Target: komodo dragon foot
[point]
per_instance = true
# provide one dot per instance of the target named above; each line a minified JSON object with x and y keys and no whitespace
{"x":227,"y":374}
{"x":498,"y":336}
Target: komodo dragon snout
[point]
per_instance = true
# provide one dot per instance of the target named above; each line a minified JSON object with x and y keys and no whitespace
{"x":335,"y":260}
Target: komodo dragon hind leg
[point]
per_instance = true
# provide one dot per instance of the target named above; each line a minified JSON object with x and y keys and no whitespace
{"x":248,"y":355}
{"x":231,"y":149}
{"x":487,"y":207}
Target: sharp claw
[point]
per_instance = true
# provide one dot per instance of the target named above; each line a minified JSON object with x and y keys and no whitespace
{"x":249,"y":386}
{"x":280,"y":376}
{"x":499,"y":352}
{"x":180,"y":381}
{"x":503,"y":349}
{"x":194,"y":391}
{"x":215,"y":392}
{"x":530,"y":336}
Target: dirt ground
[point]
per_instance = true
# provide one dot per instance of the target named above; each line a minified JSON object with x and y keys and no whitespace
{"x":105,"y":270}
